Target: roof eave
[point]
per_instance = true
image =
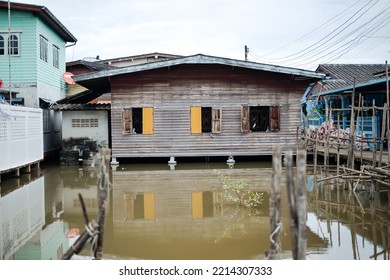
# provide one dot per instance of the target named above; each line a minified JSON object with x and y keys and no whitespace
{"x":45,"y":14}
{"x":199,"y":59}
{"x":348,"y":88}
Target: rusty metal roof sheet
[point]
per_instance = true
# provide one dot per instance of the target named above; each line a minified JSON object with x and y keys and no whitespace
{"x":81,"y":107}
{"x":345,"y":75}
{"x":199,"y":59}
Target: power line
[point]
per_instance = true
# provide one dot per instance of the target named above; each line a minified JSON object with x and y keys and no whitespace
{"x":314,"y":30}
{"x":356,"y":41}
{"x":335,"y":42}
{"x":309,"y":49}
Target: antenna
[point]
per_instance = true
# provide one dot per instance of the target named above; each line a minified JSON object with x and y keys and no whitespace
{"x":246,"y":52}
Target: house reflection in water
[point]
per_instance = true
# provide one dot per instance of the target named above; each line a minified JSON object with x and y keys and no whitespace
{"x":30,"y":206}
{"x":181,"y":214}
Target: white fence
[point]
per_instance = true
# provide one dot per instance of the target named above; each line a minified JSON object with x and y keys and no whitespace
{"x":21,"y":136}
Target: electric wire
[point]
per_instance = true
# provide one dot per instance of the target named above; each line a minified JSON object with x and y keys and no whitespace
{"x":335,"y":44}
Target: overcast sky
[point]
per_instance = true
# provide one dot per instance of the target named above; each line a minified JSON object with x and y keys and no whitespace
{"x":299,"y":33}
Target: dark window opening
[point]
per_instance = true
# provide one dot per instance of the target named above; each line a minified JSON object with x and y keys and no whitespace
{"x":206,"y":119}
{"x":137,"y":120}
{"x":139,"y":207}
{"x":2,"y":46}
{"x":208,"y":209}
{"x":259,"y":118}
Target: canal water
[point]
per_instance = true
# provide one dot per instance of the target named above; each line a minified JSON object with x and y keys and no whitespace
{"x":154,"y":213}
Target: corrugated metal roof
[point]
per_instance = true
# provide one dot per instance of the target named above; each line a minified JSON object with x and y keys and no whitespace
{"x":45,"y":14}
{"x":199,"y":59}
{"x":81,"y":107}
{"x":345,"y":75}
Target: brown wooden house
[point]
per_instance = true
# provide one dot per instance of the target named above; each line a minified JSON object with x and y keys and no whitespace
{"x":201,"y":106}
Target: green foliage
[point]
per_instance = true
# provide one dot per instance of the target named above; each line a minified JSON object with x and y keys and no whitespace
{"x":241,"y":194}
{"x":242,"y":201}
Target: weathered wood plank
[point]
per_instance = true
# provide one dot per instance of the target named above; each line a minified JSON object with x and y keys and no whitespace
{"x":172,"y":92}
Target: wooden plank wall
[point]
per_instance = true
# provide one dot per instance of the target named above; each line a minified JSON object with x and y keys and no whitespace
{"x":172,"y":91}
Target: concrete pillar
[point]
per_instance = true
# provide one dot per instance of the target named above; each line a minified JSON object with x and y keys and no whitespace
{"x":114,"y":161}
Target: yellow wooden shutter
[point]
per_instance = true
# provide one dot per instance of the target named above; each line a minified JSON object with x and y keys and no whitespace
{"x":149,"y":206}
{"x":197,"y":205}
{"x":196,"y":119}
{"x":147,"y":120}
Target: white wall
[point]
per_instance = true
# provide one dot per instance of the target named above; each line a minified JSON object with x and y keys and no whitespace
{"x":99,"y":134}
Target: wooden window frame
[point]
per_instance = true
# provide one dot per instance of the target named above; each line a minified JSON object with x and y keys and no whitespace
{"x":196,"y":126}
{"x":147,"y":205}
{"x":56,"y":56}
{"x":273,"y":119}
{"x":43,"y":48}
{"x":147,"y":121}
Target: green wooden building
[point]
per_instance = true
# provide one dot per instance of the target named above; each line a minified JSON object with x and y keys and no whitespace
{"x":32,"y":62}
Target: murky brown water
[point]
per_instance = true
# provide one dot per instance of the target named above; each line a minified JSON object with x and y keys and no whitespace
{"x":158,"y":213}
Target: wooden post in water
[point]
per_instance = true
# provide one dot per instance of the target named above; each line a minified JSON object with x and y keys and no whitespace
{"x":357,"y":116}
{"x":297,"y":204}
{"x":387,"y":112}
{"x":338,"y":144}
{"x":362,"y":133}
{"x":315,"y":152}
{"x":301,"y":204}
{"x":103,"y":184}
{"x":374,"y":126}
{"x":275,"y":224}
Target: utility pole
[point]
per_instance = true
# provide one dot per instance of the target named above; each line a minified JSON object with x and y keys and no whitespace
{"x":9,"y":53}
{"x":246,"y":52}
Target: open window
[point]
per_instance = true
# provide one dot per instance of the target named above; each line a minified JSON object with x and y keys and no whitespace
{"x":206,"y":120}
{"x":137,"y":120}
{"x":139,"y":206}
{"x":260,"y":118}
{"x":206,"y":204}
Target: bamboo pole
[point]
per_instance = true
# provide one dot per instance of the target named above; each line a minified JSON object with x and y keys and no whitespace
{"x":297,"y":203}
{"x":387,"y":112}
{"x":361,"y":138}
{"x":338,"y":144}
{"x":301,"y":204}
{"x":383,"y":130}
{"x":81,"y":241}
{"x":373,"y":130}
{"x":362,"y":134}
{"x":315,"y":152}
{"x":275,"y":199}
{"x":297,"y":138}
{"x":351,"y":159}
{"x":291,"y":200}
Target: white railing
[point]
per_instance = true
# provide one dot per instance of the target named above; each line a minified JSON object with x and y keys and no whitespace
{"x":21,"y":136}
